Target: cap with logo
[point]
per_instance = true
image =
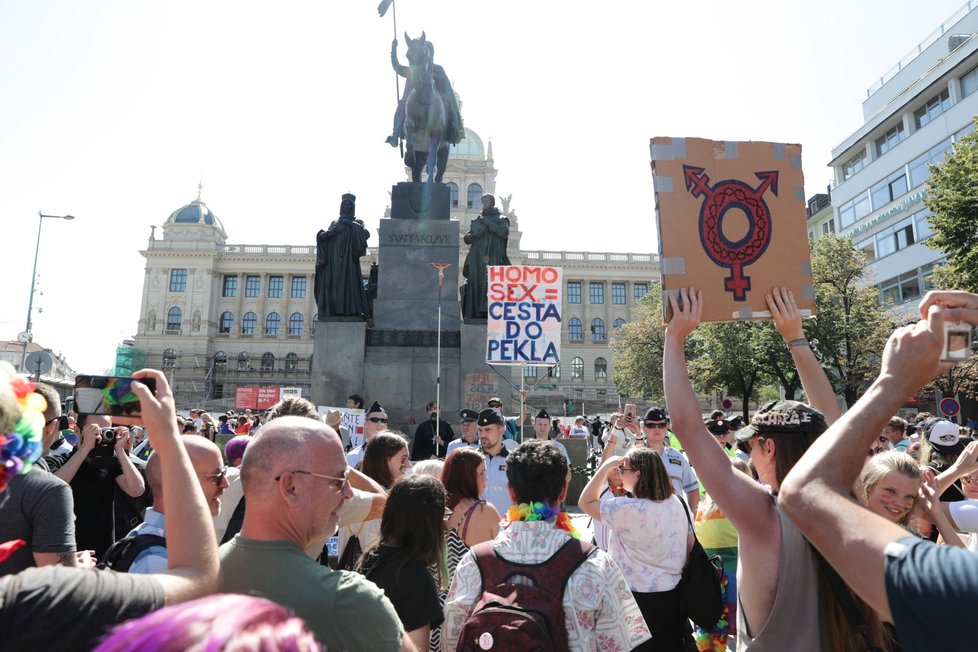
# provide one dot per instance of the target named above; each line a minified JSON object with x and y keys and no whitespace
{"x":718,"y":426}
{"x":944,"y":436}
{"x":468,"y":415}
{"x":494,"y":399}
{"x":490,"y":416}
{"x":784,"y":417}
{"x":376,"y":407}
{"x":655,"y":414}
{"x":542,"y":414}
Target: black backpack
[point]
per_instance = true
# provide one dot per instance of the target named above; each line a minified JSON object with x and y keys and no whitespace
{"x":527,"y":618}
{"x":122,"y":553}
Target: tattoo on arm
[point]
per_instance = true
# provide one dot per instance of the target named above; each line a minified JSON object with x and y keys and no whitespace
{"x":67,"y":559}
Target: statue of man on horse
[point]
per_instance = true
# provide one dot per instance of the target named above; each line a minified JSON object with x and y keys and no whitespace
{"x":427,"y":116}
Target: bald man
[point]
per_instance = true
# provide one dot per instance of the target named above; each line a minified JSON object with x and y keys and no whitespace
{"x":205,"y":457}
{"x":295,"y":480}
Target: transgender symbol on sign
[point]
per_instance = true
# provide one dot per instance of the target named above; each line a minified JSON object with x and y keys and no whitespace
{"x":720,"y":198}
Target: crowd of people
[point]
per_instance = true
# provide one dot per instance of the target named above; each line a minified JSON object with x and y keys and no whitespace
{"x":836,"y":531}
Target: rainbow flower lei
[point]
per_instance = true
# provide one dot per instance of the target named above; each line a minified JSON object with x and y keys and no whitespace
{"x":541,"y":512}
{"x":717,"y":637}
{"x":20,"y":448}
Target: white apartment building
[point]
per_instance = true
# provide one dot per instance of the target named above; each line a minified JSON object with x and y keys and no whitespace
{"x":913,"y":115}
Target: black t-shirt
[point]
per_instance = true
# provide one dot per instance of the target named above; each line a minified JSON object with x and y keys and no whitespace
{"x":424,"y":440}
{"x":93,"y":488}
{"x":58,"y":608}
{"x":408,"y":585}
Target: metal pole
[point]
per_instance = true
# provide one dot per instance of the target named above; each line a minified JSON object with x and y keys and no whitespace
{"x":30,"y":302}
{"x":441,"y":276}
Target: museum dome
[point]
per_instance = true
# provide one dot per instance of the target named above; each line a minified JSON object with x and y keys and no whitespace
{"x":196,"y":212}
{"x":471,"y":147}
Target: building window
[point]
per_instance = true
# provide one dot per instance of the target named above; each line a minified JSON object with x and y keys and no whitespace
{"x":554,"y":371}
{"x":530,"y":372}
{"x":453,"y":193}
{"x":597,"y":330}
{"x":573,"y":291}
{"x":217,"y":392}
{"x":230,"y":286}
{"x":169,"y":359}
{"x":596,"y":291}
{"x":298,"y":287}
{"x":575,"y":330}
{"x":220,"y":361}
{"x":828,"y":226}
{"x":244,"y":361}
{"x":600,"y":369}
{"x":907,"y":287}
{"x":252,"y":286}
{"x":178,"y":280}
{"x":248,"y":323}
{"x":276,"y":284}
{"x":473,"y":197}
{"x":889,"y":189}
{"x":295,"y":323}
{"x":969,"y":82}
{"x":890,"y":139}
{"x":618,"y":294}
{"x":619,"y":323}
{"x":868,"y":247}
{"x":292,"y":362}
{"x":853,"y":210}
{"x":577,"y":368}
{"x":922,"y":225}
{"x":272,"y":323}
{"x":227,"y":321}
{"x":267,"y":362}
{"x":934,"y":107}
{"x":640,"y":290}
{"x":855,"y":164}
{"x":174,"y":316}
{"x":919,"y":170}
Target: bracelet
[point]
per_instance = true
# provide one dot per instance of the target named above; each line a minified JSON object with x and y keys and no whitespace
{"x":801,"y":341}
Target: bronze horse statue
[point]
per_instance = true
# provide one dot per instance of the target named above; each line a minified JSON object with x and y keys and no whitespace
{"x":428,"y":127}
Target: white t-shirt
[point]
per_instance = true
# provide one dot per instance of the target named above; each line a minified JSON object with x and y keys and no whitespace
{"x":647,"y":541}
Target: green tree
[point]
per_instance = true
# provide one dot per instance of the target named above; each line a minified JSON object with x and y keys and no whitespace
{"x":952,"y":197}
{"x":637,"y":347}
{"x":728,"y":356}
{"x":851,"y":325}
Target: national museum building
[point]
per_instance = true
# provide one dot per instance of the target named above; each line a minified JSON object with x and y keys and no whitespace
{"x":217,"y":316}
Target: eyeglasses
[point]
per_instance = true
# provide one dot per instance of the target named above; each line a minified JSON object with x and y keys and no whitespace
{"x":377,"y":420}
{"x":654,"y":425}
{"x":448,"y":514}
{"x":495,"y":405}
{"x":339,"y":483}
{"x":623,"y":468}
{"x":218,"y":477}
{"x":968,"y":479}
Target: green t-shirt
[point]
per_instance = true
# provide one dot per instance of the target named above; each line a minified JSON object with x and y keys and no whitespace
{"x":344,"y":610}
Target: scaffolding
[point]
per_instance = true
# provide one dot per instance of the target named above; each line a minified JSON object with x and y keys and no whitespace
{"x":128,"y":359}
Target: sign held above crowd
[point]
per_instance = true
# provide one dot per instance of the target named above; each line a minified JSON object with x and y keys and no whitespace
{"x":524,"y":323}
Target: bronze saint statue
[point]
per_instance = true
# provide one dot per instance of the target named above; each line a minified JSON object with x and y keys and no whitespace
{"x":339,"y":284}
{"x":487,"y":238}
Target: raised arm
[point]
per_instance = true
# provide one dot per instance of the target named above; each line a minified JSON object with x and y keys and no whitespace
{"x":365,"y":483}
{"x":590,"y":500}
{"x":787,"y":319}
{"x":816,"y":493}
{"x":191,"y":546}
{"x":131,"y":481}
{"x":966,"y":464}
{"x":743,"y":501}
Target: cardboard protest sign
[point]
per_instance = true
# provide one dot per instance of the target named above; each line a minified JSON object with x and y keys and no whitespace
{"x":524,"y":315}
{"x":732,"y":222}
{"x":351,"y":419}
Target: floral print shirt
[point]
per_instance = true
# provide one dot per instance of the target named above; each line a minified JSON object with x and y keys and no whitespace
{"x":647,"y":541}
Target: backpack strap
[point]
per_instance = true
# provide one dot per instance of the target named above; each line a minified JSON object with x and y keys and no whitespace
{"x":548,"y":575}
{"x":468,"y":517}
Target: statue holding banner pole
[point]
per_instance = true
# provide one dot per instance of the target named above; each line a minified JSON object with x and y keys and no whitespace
{"x":487,"y":239}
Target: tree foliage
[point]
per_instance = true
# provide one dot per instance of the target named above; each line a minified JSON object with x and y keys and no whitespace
{"x":851,"y":326}
{"x":637,"y":347}
{"x":728,"y":356}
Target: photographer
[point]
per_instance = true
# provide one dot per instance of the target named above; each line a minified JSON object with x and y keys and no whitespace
{"x":621,"y":432}
{"x":93,"y":470}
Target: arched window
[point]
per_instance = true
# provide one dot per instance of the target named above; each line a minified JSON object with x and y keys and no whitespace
{"x":174,"y":316}
{"x":473,"y":197}
{"x":577,"y":368}
{"x":244,"y":361}
{"x":227,"y":321}
{"x":619,"y":323}
{"x":575,"y":329}
{"x":453,"y":192}
{"x":267,"y":362}
{"x":600,"y":369}
{"x":220,"y":361}
{"x":291,"y":361}
{"x":248,"y":323}
{"x":271,"y":323}
{"x":295,"y":323}
{"x":597,"y":330}
{"x":169,"y":358}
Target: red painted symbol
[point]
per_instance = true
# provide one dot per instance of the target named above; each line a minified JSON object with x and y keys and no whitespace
{"x":720,"y":198}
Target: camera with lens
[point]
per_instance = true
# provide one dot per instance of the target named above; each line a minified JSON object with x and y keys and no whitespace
{"x":108,"y":435}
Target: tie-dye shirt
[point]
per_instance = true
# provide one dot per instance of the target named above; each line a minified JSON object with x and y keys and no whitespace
{"x":648,"y":541}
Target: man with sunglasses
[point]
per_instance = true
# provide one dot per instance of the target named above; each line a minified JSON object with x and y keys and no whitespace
{"x":208,"y":464}
{"x":295,"y":480}
{"x":655,"y":428}
{"x":375,"y":421}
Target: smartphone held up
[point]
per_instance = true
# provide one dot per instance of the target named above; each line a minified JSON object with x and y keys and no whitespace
{"x":109,"y":395}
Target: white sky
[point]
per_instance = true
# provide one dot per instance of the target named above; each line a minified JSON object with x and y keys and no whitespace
{"x":112,"y":110}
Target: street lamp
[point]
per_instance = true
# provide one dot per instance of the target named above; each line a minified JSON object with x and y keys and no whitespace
{"x":27,"y":335}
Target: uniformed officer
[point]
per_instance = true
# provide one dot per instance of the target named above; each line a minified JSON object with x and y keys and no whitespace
{"x":491,"y":428}
{"x":654,"y":428}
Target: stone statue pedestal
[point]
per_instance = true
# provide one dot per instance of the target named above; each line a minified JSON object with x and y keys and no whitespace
{"x":420,"y":201}
{"x":337,"y":360}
